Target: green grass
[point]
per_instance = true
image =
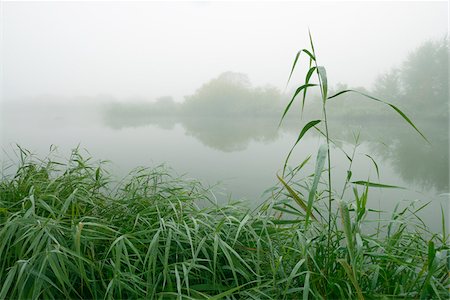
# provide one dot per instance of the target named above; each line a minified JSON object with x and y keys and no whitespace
{"x":68,"y":231}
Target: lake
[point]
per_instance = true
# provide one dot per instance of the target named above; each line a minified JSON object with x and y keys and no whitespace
{"x":240,"y":157}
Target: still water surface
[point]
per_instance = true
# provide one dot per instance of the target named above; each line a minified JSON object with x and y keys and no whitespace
{"x":241,"y":157}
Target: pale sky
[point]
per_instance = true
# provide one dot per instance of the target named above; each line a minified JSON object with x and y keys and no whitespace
{"x":152,"y":49}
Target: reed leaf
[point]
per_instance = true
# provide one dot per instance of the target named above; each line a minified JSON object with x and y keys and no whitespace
{"x":307,"y":79}
{"x":401,"y":113}
{"x":350,"y":274}
{"x":298,"y":91}
{"x":297,"y":56}
{"x":320,"y":162}
{"x":296,"y":197}
{"x":323,"y":82}
{"x":305,"y":129}
{"x":378,"y":185}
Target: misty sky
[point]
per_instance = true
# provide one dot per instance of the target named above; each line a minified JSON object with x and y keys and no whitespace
{"x":152,"y":49}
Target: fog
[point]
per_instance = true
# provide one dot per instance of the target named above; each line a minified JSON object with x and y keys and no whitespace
{"x":154,"y":49}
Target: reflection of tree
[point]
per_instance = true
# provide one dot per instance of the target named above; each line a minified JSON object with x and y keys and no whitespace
{"x":226,"y":113}
{"x":397,"y":144}
{"x":230,"y":134}
{"x":130,"y":122}
{"x":420,"y":86}
{"x":421,"y":163}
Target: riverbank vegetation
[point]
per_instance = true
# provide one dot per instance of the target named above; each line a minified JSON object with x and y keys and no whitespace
{"x":67,"y":232}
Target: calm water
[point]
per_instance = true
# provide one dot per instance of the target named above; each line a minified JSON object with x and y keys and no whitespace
{"x":242,"y":156}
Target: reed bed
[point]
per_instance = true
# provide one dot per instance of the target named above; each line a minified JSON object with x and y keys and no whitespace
{"x":66,"y":231}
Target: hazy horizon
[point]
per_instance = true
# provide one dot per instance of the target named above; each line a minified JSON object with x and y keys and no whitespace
{"x":153,"y":49}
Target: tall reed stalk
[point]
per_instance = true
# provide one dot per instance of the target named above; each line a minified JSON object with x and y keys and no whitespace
{"x":322,"y":84}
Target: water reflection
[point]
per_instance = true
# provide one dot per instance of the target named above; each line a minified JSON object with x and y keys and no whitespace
{"x":228,"y":113}
{"x":228,"y":134}
{"x":415,"y":161}
{"x":419,"y":163}
{"x":223,"y":134}
{"x":427,"y":165}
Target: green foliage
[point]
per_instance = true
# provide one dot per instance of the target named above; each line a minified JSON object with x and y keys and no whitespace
{"x":66,"y":231}
{"x":354,"y":261}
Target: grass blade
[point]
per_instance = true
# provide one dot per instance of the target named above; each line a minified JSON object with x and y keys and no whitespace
{"x":307,"y":78}
{"x":302,"y":133}
{"x":349,"y":271}
{"x":374,"y":184}
{"x":347,"y":225}
{"x":297,"y":56}
{"x":299,"y":89}
{"x":324,"y":82}
{"x":306,"y":287}
{"x":384,"y":102}
{"x":295,"y":196}
{"x":375,"y":164}
{"x":320,"y":162}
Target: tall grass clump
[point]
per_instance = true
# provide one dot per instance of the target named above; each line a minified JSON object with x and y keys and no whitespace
{"x":343,"y":224}
{"x":65,"y":232}
{"x":69,"y":231}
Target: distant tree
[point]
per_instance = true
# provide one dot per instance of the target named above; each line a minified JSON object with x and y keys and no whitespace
{"x":388,"y":85}
{"x":164,"y":106}
{"x":231,"y":94}
{"x":421,"y":83}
